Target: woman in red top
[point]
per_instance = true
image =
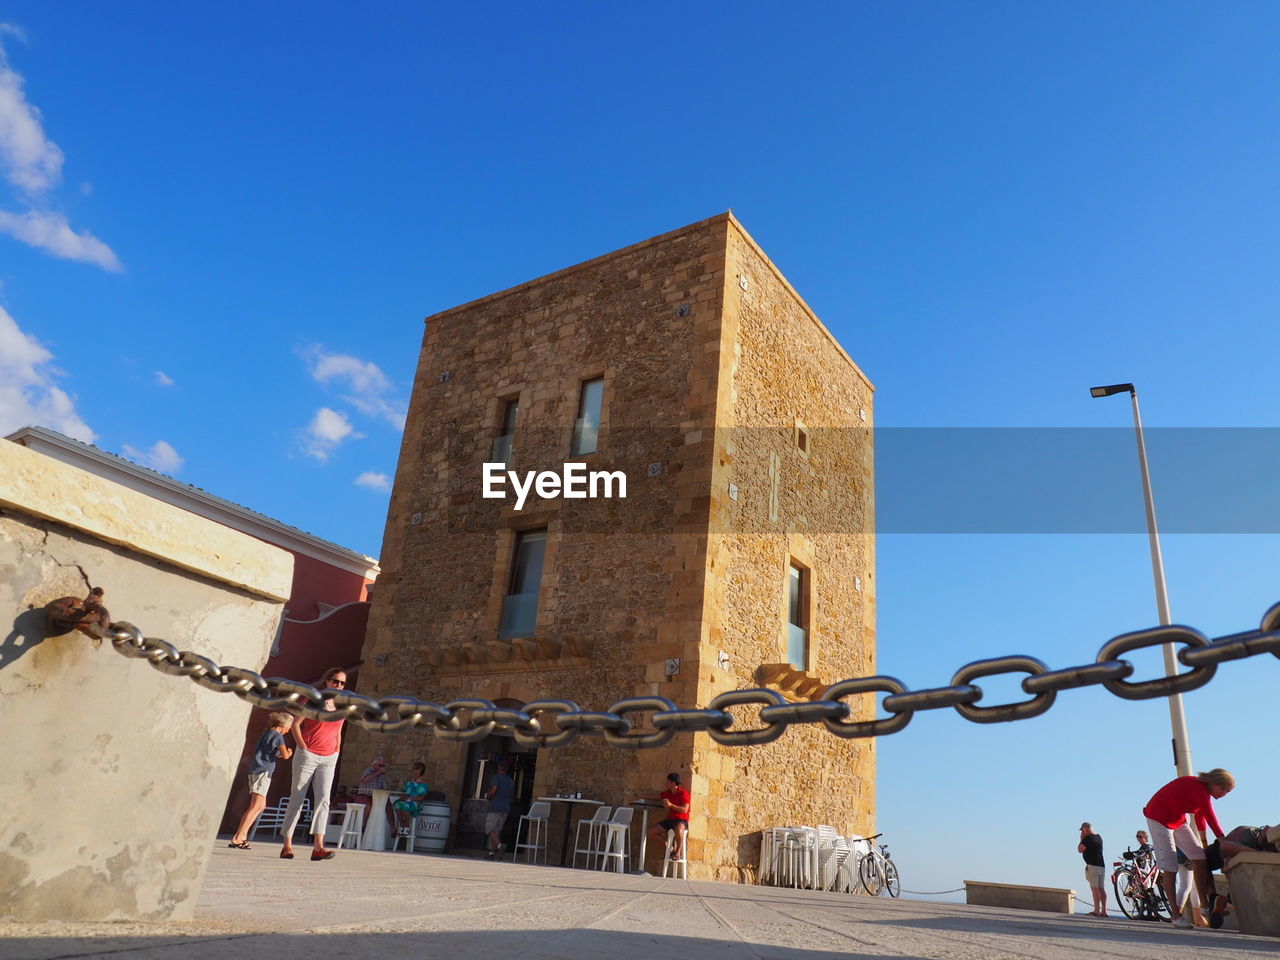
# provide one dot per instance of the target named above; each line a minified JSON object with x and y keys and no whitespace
{"x":314,"y":763}
{"x":1166,"y":814}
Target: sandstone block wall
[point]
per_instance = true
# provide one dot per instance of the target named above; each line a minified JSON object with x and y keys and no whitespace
{"x":773,"y":502}
{"x":622,"y":586}
{"x":704,"y":382}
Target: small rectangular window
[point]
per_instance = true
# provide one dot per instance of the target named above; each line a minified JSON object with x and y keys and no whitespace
{"x":798,"y":617}
{"x":520,"y":606}
{"x":503,"y":444}
{"x":586,"y":429}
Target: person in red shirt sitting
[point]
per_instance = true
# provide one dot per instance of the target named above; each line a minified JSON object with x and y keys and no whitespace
{"x":676,"y":800}
{"x":1166,"y":814}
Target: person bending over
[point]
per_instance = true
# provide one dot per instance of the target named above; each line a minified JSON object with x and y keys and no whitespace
{"x":1166,"y":814}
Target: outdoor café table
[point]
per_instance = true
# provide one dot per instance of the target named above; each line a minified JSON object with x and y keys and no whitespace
{"x":568,"y":809}
{"x":645,"y":806}
{"x":375,"y":831}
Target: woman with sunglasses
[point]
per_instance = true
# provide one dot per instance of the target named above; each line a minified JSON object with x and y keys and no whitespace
{"x":314,"y":763}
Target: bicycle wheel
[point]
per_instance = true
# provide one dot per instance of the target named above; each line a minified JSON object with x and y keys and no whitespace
{"x":1127,"y":895}
{"x":1160,"y":904}
{"x":869,"y":875}
{"x":891,"y":882}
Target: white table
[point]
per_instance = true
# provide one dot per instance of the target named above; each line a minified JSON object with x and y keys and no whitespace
{"x":375,"y":831}
{"x":568,"y":810}
{"x":645,"y":806}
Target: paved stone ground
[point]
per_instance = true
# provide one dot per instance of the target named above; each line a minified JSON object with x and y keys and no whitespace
{"x":396,"y":906}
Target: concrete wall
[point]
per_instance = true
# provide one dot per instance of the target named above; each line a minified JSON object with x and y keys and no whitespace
{"x":1255,"y":892}
{"x":115,"y":773}
{"x":1020,"y":897}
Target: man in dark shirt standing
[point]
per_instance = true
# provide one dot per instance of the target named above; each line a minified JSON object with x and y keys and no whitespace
{"x":502,"y":790}
{"x":1095,"y":868}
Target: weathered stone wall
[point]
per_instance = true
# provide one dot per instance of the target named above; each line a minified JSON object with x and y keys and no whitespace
{"x":622,"y":584}
{"x":781,"y":372}
{"x":115,"y":774}
{"x":705,"y":381}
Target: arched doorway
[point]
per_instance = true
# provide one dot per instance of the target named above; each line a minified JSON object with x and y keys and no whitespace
{"x":482,"y":757}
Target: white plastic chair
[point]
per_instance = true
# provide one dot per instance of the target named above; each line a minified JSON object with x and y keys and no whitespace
{"x":351,"y":826}
{"x":615,"y":840}
{"x":410,"y":841}
{"x":772,"y":841}
{"x":273,"y":817}
{"x":798,"y":854}
{"x":859,"y":847}
{"x":535,"y":832}
{"x":823,"y":855}
{"x":593,"y":828}
{"x":679,"y":866}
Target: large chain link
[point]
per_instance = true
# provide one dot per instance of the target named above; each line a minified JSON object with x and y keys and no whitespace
{"x":556,"y":723}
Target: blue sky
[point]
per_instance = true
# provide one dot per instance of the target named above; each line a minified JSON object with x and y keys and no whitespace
{"x":221,"y":227}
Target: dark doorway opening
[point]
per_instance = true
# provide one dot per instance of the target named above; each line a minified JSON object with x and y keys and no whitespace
{"x":481,"y":764}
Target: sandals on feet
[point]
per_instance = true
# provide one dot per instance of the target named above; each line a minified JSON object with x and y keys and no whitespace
{"x":242,"y":845}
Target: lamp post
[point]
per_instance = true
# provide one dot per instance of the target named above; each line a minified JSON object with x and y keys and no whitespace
{"x":1177,"y":718}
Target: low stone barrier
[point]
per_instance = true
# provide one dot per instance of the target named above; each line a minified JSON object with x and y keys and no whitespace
{"x":116,"y":773}
{"x":1255,"y":892}
{"x":1020,"y":897}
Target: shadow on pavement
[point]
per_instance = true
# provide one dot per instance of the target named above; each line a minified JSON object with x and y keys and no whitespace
{"x":1112,"y":931}
{"x":472,"y":945}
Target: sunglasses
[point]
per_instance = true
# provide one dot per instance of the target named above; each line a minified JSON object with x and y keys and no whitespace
{"x":337,"y":683}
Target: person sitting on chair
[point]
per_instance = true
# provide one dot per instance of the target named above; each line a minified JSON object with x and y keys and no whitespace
{"x":676,"y":800}
{"x":415,"y":789}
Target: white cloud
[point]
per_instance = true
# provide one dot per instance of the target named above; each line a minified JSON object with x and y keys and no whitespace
{"x":373,"y":481}
{"x":379,"y":408}
{"x":365,"y":376}
{"x":164,"y":379}
{"x":32,"y":162}
{"x":367,"y":384}
{"x":29,"y":395}
{"x":326,"y":431}
{"x":50,"y":232}
{"x":160,"y":457}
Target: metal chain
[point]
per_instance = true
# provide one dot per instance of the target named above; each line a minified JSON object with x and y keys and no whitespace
{"x":555,"y":723}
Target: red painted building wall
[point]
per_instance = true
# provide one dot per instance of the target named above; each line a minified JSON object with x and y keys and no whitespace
{"x":311,"y":641}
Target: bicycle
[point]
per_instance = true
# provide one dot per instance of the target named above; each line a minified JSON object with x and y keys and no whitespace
{"x":1136,"y":882}
{"x":877,"y":872}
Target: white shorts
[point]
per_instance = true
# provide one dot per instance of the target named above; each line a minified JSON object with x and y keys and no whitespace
{"x":1168,"y":842}
{"x":259,"y":782}
{"x":1094,"y":875}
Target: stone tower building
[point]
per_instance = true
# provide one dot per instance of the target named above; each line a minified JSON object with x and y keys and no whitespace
{"x":741,"y":556}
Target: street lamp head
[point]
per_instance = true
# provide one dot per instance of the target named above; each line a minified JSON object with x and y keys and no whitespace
{"x":1111,"y":390}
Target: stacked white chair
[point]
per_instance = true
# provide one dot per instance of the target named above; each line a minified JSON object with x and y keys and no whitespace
{"x":535,"y":832}
{"x":822,"y":857}
{"x":798,"y":851}
{"x":859,"y":847}
{"x":593,"y":828}
{"x":615,"y":840}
